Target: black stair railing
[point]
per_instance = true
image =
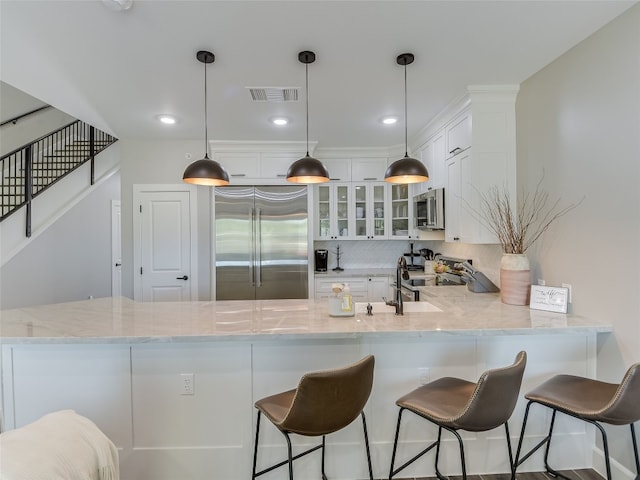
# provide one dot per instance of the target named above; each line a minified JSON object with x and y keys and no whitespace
{"x":31,"y":169}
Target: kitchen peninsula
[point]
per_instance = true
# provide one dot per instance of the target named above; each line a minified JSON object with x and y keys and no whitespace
{"x":123,"y":364}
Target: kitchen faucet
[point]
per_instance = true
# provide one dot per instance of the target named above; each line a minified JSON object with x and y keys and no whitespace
{"x":401,"y":273}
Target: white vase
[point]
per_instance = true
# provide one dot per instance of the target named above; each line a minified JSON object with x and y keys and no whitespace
{"x":515,"y":279}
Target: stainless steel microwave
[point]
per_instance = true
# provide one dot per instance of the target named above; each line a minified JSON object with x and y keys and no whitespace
{"x":429,"y":210}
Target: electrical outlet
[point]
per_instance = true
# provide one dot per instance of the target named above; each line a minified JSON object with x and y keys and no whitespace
{"x":541,"y":281}
{"x":568,"y":285}
{"x":424,"y":375}
{"x":186,"y":384}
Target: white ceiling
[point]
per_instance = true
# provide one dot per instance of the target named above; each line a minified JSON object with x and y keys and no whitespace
{"x":119,"y":69}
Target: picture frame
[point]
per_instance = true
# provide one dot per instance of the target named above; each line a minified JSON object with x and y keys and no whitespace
{"x":551,"y":299}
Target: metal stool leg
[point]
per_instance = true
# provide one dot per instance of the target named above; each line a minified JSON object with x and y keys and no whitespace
{"x":511,"y":467}
{"x":395,"y":444}
{"x":255,"y":448}
{"x":635,"y":450}
{"x":289,"y":454}
{"x":438,"y":474}
{"x":366,"y":444}
{"x":324,"y":477}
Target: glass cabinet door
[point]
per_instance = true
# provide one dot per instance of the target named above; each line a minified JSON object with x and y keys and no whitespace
{"x":323,"y":217}
{"x":379,"y":194}
{"x":360,"y":194}
{"x":400,"y":210}
{"x":342,"y":211}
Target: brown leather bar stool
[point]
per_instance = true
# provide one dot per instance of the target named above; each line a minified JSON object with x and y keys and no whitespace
{"x":455,"y":404}
{"x":323,"y":403}
{"x":590,"y":400}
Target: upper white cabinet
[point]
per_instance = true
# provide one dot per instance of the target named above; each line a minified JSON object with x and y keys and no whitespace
{"x":401,"y":213}
{"x":368,"y":169}
{"x":459,"y":134}
{"x":256,"y":165}
{"x":239,"y":164}
{"x":276,"y":165}
{"x":488,"y":161}
{"x":249,"y":161}
{"x":339,"y":169}
{"x":433,"y":155}
{"x":370,"y":199}
{"x":333,"y":211}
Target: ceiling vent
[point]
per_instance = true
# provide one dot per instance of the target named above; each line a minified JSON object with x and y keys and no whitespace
{"x":273,"y":94}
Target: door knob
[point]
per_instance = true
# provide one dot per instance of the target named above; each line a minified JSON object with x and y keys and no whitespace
{"x":184,"y":277}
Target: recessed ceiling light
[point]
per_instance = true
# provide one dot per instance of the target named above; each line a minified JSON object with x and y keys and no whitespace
{"x":280,"y":121}
{"x":389,"y":120}
{"x":167,"y":119}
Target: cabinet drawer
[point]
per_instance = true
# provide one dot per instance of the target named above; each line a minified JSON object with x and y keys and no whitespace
{"x":356,"y":284}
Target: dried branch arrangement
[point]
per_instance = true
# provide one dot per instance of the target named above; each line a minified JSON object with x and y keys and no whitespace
{"x":518,"y":227}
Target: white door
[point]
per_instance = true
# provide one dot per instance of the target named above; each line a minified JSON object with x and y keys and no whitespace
{"x":116,"y":249}
{"x":165,"y":246}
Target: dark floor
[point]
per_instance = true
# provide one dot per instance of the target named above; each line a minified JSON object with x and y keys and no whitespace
{"x":584,"y":474}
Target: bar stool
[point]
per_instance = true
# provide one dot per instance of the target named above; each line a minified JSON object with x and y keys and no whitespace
{"x":455,"y":404}
{"x":590,"y":400}
{"x":323,"y":403}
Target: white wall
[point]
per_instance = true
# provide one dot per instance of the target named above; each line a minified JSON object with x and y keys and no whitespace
{"x":70,"y":260}
{"x":579,"y":120}
{"x":162,"y":162}
{"x":15,"y":102}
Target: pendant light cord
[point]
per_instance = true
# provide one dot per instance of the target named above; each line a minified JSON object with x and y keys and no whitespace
{"x":406,"y":141}
{"x":206,"y":132}
{"x":306,"y":68}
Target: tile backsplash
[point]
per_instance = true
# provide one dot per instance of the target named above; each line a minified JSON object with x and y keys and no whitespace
{"x":364,"y":254}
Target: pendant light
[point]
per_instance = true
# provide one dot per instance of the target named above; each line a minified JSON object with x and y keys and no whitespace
{"x":407,"y":169}
{"x":307,"y":169}
{"x":205,"y":171}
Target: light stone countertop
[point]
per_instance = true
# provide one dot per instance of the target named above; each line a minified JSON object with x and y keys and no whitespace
{"x":454,"y":311}
{"x":358,"y":272}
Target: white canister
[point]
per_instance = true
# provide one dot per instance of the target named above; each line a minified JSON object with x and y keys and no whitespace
{"x":428,"y":266}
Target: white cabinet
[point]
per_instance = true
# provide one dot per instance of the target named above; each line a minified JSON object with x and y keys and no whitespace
{"x":276,"y":165}
{"x":239,"y":164}
{"x":368,"y":169}
{"x":458,"y":134}
{"x":434,"y":156}
{"x":333,"y":212}
{"x":378,"y":288}
{"x":363,"y":289}
{"x":339,"y":169}
{"x":401,"y":213}
{"x":483,"y":156}
{"x":370,"y":199}
{"x":357,"y":285}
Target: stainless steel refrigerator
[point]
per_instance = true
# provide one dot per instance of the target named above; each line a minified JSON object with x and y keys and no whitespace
{"x":261,"y":244}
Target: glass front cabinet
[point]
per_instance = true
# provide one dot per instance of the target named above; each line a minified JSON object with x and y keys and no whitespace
{"x":333,"y":211}
{"x":401,"y":212}
{"x":370,"y":208}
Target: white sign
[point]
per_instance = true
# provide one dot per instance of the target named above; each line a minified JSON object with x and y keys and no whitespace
{"x":552,"y":299}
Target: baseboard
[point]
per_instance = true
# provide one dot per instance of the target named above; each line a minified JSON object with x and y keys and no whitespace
{"x":618,"y":471}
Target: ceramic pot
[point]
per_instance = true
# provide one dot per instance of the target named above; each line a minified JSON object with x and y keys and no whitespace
{"x":515,"y":279}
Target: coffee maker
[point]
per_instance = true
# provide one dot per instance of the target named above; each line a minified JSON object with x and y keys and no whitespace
{"x":322,"y":257}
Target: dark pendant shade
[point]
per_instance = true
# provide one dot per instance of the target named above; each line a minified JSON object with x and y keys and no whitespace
{"x":406,"y":170}
{"x":308,"y":170}
{"x":206,"y":172}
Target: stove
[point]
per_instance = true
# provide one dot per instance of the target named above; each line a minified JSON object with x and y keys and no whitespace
{"x":453,"y":276}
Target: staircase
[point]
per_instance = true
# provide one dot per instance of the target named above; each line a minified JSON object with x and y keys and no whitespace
{"x":31,"y":169}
